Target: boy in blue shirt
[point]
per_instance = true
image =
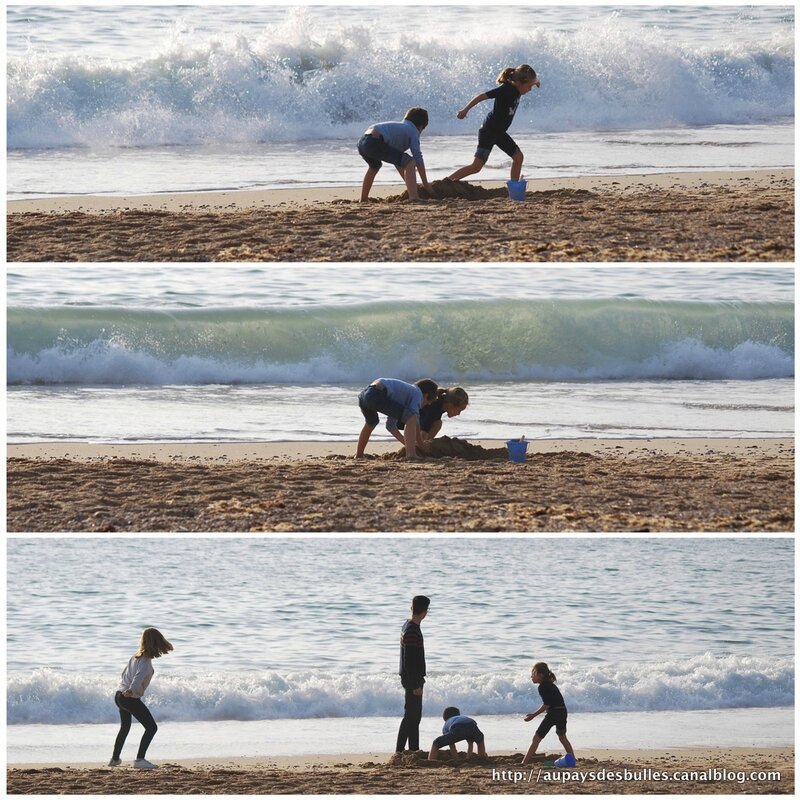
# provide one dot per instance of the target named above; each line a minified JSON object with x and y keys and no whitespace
{"x":388,"y":141}
{"x":457,"y":728}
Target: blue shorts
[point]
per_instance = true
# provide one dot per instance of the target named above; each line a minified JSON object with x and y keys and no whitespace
{"x":487,"y":139}
{"x":463,"y":731}
{"x":374,"y":151}
{"x":374,"y":399}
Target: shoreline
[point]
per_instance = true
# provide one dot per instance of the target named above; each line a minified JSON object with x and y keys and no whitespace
{"x":356,"y":759}
{"x":588,"y":485}
{"x":691,"y":770}
{"x":719,"y":215}
{"x":169,"y":452}
{"x":232,"y":200}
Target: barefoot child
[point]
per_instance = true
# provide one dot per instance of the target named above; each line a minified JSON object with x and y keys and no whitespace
{"x":457,"y":728}
{"x":128,"y":699}
{"x":401,"y":402}
{"x":555,"y":714}
{"x":514,"y":82}
{"x":388,"y":141}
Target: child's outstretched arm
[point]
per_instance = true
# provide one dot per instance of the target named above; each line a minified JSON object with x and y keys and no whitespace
{"x":475,"y":100}
{"x":541,"y":710}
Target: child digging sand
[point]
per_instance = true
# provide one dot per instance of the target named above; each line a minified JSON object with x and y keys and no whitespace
{"x":457,"y":728}
{"x":388,"y":141}
{"x":555,"y":714}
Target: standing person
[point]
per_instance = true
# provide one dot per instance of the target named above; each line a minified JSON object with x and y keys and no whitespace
{"x":388,"y":141}
{"x":412,"y":673}
{"x":448,"y":401}
{"x":135,"y":679}
{"x":401,"y":402}
{"x":555,"y":714}
{"x":514,"y":82}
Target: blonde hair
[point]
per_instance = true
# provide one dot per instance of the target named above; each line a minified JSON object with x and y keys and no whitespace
{"x":153,"y":644}
{"x":542,"y":669}
{"x":455,"y":397}
{"x":524,"y":73}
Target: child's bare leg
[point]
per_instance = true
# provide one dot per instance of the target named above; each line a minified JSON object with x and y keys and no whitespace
{"x":453,"y":751}
{"x":471,"y":169}
{"x":363,"y":438}
{"x":567,"y":746}
{"x":366,"y":184}
{"x":516,"y":165}
{"x":412,"y":434}
{"x":409,"y":173}
{"x":532,"y":750}
{"x":481,"y":749}
{"x":434,"y":753}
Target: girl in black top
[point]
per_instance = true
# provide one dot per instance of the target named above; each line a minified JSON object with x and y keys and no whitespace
{"x":552,"y":707}
{"x":448,"y":401}
{"x":514,"y":82}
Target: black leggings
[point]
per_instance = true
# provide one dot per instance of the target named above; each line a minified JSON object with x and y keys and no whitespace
{"x":133,"y":707}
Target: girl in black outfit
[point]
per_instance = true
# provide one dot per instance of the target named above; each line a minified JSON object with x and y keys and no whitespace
{"x":553,"y":708}
{"x":514,"y":82}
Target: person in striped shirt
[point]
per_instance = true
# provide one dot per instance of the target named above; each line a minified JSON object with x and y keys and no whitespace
{"x":412,"y":673}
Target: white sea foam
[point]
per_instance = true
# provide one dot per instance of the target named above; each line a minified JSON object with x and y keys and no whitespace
{"x":703,"y":682}
{"x":289,"y":84}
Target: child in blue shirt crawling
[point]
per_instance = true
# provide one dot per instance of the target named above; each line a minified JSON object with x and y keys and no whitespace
{"x":388,"y":141}
{"x":457,"y":728}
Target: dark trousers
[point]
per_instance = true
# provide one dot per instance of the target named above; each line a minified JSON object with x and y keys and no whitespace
{"x":133,"y":707}
{"x":409,"y":727}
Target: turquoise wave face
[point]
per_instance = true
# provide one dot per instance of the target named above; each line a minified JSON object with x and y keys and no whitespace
{"x":464,"y":340}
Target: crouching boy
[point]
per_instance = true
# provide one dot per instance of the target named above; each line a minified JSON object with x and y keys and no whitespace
{"x":388,"y":141}
{"x":457,"y":728}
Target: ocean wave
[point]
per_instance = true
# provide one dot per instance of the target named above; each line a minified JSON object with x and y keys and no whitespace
{"x":456,"y":341}
{"x":289,"y":84}
{"x":47,"y":696}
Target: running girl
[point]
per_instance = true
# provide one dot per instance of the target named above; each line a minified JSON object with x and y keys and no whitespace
{"x":136,"y":678}
{"x":514,"y":82}
{"x":555,"y":714}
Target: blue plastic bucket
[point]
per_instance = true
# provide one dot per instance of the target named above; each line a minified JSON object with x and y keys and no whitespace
{"x":516,"y":189}
{"x":567,"y":760}
{"x":516,"y":450}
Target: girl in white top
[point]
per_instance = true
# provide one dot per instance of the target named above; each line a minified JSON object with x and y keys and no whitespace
{"x":135,"y":679}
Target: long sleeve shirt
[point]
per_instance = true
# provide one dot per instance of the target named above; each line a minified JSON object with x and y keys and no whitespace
{"x":412,"y":656}
{"x":136,"y":676}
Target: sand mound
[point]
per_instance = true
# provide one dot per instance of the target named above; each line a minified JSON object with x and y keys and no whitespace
{"x":445,"y":446}
{"x":446,"y":189}
{"x":419,"y":760}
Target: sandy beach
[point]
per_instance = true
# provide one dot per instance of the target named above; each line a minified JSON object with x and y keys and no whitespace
{"x":586,"y":485}
{"x":692,"y":216}
{"x":677,"y":771}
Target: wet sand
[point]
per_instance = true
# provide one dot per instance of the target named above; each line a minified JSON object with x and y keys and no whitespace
{"x":678,"y":771}
{"x":587,"y":485}
{"x":705,"y":216}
